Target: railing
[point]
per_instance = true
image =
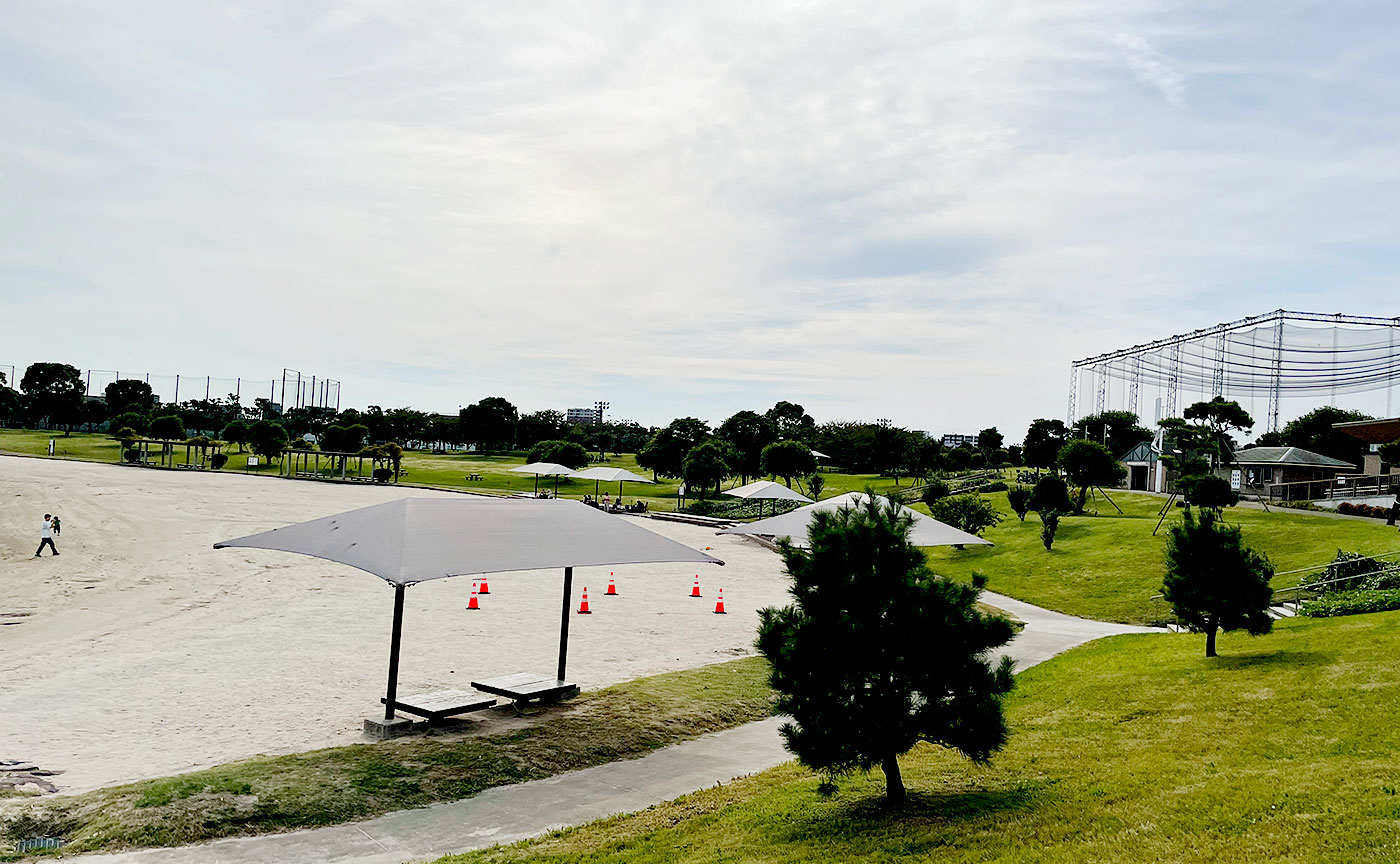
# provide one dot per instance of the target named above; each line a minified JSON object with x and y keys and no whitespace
{"x":1338,"y":487}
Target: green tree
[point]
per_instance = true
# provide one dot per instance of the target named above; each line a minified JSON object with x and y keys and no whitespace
{"x":1214,"y":581}
{"x":55,"y":393}
{"x":130,"y":394}
{"x":132,"y":420}
{"x":1049,"y":524}
{"x":267,"y":439}
{"x":665,"y":452}
{"x":815,"y":484}
{"x":876,"y":653}
{"x":1050,"y":493}
{"x":1207,"y":491}
{"x":489,"y":424}
{"x":748,"y":432}
{"x":1205,"y":428}
{"x":167,"y":428}
{"x":1390,"y":453}
{"x":971,"y":513}
{"x":1313,"y":431}
{"x":1043,"y":441}
{"x":989,"y":440}
{"x":1019,"y":497}
{"x":706,"y":465}
{"x":236,"y":432}
{"x":539,"y":426}
{"x":788,"y":459}
{"x":790,"y":420}
{"x":1089,"y":463}
{"x":570,"y":454}
{"x":934,"y":490}
{"x":1117,"y":430}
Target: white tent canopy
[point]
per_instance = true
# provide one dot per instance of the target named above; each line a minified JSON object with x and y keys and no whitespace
{"x":767,"y":490}
{"x":544,"y":469}
{"x":417,"y":539}
{"x":602,"y":473}
{"x":926,"y":531}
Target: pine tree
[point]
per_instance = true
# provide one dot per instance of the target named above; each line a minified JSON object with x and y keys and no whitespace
{"x":876,"y":653}
{"x":1214,"y":581}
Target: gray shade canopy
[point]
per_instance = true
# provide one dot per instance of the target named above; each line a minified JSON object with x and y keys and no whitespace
{"x":767,"y":490}
{"x":416,"y":539}
{"x":609,"y":475}
{"x":926,"y":531}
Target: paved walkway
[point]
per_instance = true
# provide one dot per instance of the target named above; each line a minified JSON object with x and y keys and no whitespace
{"x":510,"y":813}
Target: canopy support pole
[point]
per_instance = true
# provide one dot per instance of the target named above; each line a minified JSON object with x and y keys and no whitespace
{"x":564,"y":621}
{"x":392,"y":692}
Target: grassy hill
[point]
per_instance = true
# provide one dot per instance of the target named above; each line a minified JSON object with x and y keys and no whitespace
{"x":1132,"y":749}
{"x":1109,"y":566}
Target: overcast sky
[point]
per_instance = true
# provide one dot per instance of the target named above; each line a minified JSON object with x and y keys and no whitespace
{"x":915,"y":210}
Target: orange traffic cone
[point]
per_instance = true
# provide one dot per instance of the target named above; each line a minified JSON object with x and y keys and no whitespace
{"x":719,"y":604}
{"x":583,"y":607}
{"x":485,"y":589}
{"x":612,"y":589}
{"x":695,"y":589}
{"x":471,"y":604}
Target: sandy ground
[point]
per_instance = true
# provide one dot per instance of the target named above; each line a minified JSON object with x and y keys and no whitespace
{"x":142,"y":651}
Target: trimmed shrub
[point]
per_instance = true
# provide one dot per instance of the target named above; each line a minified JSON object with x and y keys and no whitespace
{"x":935,"y":490}
{"x":1051,"y":493}
{"x":383,"y":475}
{"x":570,"y":454}
{"x":1348,"y":572}
{"x":1351,"y":603}
{"x":970,"y":513}
{"x":1207,"y":490}
{"x":1049,"y":524}
{"x":1349,"y":509}
{"x":1019,"y":498}
{"x":218,"y":460}
{"x":131,"y":454}
{"x":994,"y":486}
{"x":738,"y":508}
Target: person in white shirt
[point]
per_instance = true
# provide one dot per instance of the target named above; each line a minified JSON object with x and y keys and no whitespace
{"x":46,"y":536}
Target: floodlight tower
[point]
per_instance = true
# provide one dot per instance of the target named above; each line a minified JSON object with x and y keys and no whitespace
{"x":598,"y":408}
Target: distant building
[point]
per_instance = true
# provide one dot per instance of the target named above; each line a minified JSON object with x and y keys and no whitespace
{"x":959,"y":440}
{"x":582,"y":416}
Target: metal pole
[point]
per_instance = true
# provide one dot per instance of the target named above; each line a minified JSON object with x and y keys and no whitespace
{"x":392,"y":692}
{"x":564,"y":620}
{"x":177,"y":389}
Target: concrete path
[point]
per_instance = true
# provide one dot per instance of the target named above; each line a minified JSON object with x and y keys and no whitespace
{"x":510,"y":813}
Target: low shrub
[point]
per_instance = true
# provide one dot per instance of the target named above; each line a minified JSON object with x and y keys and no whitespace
{"x":382,"y":475}
{"x":994,"y":486}
{"x":131,"y":454}
{"x":1351,"y":603}
{"x":1019,"y":497}
{"x":1051,"y":493}
{"x":736,"y":508}
{"x":935,"y":490}
{"x":1349,"y":509}
{"x":1348,"y":572}
{"x":1049,"y":524}
{"x":970,"y":513}
{"x":1299,"y":505}
{"x":218,"y":460}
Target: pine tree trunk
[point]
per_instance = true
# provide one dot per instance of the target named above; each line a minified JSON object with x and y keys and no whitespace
{"x":894,"y":782}
{"x":1210,"y":641}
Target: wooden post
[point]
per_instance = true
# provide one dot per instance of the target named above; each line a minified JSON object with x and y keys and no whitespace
{"x":564,"y":621}
{"x":392,"y":692}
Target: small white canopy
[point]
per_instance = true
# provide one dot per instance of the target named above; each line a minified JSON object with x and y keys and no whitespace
{"x":602,"y":472}
{"x":927,"y":531}
{"x":766,"y":490}
{"x":544,"y":469}
{"x":820,"y":455}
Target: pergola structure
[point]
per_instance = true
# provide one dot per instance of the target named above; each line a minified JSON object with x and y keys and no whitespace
{"x":414,"y":540}
{"x":196,"y":453}
{"x":307,"y":465}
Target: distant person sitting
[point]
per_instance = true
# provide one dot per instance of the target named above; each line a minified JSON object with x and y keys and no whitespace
{"x":46,"y":536}
{"x":607,"y":501}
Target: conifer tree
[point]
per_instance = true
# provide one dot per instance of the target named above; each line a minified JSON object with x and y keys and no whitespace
{"x":1214,"y":581}
{"x":876,"y":653}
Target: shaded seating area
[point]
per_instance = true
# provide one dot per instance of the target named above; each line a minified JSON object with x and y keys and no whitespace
{"x":161,"y":453}
{"x":415,"y":540}
{"x":326,"y":465}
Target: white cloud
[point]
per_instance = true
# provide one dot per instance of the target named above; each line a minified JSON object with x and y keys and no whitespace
{"x":1150,"y":68}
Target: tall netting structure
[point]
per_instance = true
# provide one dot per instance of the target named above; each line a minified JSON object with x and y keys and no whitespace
{"x":1279,"y":363}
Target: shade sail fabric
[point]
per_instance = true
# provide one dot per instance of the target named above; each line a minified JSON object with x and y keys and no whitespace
{"x":417,"y":539}
{"x":767,"y":490}
{"x":820,"y":455}
{"x":609,"y":475}
{"x":926,"y":531}
{"x":545,"y":469}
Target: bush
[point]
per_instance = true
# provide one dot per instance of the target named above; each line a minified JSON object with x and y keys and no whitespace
{"x":382,"y":475}
{"x":970,"y":513}
{"x":131,"y":454}
{"x":167,"y":428}
{"x":1351,"y":603}
{"x":1019,"y":498}
{"x":994,"y":486}
{"x":570,"y":454}
{"x":127,"y":436}
{"x":1049,"y":524}
{"x":131,"y":419}
{"x":218,"y":460}
{"x":1350,"y":509}
{"x":1347,"y":572}
{"x":1050,"y":493}
{"x":1207,"y":490}
{"x":737,"y":508}
{"x":935,"y":490}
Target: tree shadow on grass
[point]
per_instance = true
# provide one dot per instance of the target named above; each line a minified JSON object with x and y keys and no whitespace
{"x":926,"y":820}
{"x":1273,"y":659}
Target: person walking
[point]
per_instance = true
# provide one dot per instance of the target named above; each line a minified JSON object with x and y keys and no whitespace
{"x":46,"y":536}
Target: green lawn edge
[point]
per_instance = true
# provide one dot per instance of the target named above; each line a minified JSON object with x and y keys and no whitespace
{"x":359,"y":781}
{"x":1128,"y":749}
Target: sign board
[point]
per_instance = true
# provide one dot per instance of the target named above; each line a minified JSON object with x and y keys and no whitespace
{"x":252,"y":461}
{"x":1235,"y":480}
{"x":50,"y":446}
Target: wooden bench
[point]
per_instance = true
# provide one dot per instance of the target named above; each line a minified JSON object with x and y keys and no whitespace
{"x":441,"y":704}
{"x":524,"y":687}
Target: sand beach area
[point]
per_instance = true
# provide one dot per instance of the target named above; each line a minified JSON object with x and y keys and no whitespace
{"x":142,"y":651}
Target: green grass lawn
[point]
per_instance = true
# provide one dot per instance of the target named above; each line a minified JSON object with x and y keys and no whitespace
{"x":1132,"y":749}
{"x":1109,"y":566}
{"x":324,"y":787}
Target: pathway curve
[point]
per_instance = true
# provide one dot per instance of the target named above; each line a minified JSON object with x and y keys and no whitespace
{"x":510,"y":813}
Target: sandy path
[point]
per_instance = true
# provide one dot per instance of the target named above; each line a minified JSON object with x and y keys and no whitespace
{"x":143,"y":651}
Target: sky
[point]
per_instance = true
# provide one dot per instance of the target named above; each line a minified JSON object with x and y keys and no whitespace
{"x":921,"y":211}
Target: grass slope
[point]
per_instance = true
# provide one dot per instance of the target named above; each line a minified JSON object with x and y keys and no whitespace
{"x":1109,"y":566}
{"x":340,"y":784}
{"x":1131,"y":749}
